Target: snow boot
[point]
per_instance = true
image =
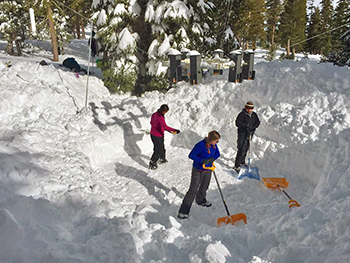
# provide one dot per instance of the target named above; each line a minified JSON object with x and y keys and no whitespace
{"x":204,"y":203}
{"x":237,"y":169}
{"x":152,"y":165}
{"x":182,"y":216}
{"x":161,"y":161}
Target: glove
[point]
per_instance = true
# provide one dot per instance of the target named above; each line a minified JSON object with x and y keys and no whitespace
{"x":175,"y":132}
{"x":207,"y":161}
{"x":249,"y":129}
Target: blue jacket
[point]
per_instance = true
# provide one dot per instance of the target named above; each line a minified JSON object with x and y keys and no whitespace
{"x":200,"y":152}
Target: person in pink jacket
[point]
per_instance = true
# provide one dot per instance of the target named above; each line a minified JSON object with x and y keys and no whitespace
{"x":158,"y":126}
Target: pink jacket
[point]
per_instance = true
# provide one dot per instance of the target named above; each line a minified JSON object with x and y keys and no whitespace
{"x":158,"y":125}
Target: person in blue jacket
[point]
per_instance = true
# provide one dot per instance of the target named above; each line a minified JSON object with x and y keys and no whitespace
{"x":204,"y":152}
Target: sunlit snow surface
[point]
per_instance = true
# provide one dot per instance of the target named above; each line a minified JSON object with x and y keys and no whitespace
{"x":74,"y":183}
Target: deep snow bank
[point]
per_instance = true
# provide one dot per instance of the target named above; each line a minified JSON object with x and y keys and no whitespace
{"x":75,"y":183}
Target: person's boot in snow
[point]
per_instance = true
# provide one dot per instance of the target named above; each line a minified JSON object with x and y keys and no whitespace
{"x":204,"y":203}
{"x":182,"y":216}
{"x":152,"y":165}
{"x":161,"y":161}
{"x":237,"y":169}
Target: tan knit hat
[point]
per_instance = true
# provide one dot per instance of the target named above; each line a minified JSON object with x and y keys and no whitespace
{"x":249,"y":105}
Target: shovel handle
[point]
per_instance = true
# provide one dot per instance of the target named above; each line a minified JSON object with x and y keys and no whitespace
{"x":291,"y":202}
{"x":209,"y":168}
{"x":217,"y":182}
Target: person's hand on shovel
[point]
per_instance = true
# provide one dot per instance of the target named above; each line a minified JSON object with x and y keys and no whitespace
{"x":208,"y":161}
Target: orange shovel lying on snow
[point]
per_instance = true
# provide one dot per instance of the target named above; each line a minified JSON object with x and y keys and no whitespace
{"x":272,"y":182}
{"x":229,"y":219}
{"x":280,"y":183}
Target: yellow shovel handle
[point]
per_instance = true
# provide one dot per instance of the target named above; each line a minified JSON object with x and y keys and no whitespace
{"x":209,"y":168}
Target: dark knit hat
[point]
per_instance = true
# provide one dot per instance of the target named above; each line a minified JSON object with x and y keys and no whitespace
{"x":249,"y":105}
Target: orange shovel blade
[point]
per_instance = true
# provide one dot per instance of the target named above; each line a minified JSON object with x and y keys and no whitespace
{"x":231,"y":219}
{"x":273,"y":182}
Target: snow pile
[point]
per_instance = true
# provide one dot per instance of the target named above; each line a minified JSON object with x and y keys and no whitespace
{"x":74,"y":183}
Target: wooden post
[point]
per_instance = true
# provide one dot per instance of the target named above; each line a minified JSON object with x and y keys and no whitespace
{"x":288,"y":48}
{"x":53,"y":35}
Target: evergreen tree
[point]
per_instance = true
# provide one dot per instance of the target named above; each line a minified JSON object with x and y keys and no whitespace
{"x":136,"y":34}
{"x":293,"y":23}
{"x":13,"y":24}
{"x":15,"y":20}
{"x":273,"y":12}
{"x":251,"y":21}
{"x":201,"y":36}
{"x":225,"y":28}
{"x":340,"y":18}
{"x":77,"y":20}
{"x":344,"y":56}
{"x":326,"y":22}
{"x":315,"y":43}
{"x":256,"y":23}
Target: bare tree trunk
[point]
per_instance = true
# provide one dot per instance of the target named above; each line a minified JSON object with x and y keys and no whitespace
{"x":9,"y":48}
{"x":254,"y":45}
{"x":273,"y":35}
{"x":78,"y":28}
{"x":18,"y":47}
{"x":53,"y":35}
{"x":288,"y":48}
{"x":239,"y":40}
{"x":82,"y":28}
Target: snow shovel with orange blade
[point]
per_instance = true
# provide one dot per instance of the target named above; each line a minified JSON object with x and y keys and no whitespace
{"x":291,"y":201}
{"x":280,"y":183}
{"x":229,"y":219}
{"x":272,"y":182}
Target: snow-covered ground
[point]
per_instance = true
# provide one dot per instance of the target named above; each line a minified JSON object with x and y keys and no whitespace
{"x":75,"y":187}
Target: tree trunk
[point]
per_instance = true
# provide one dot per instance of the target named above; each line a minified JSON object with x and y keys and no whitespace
{"x":78,"y":28}
{"x":9,"y":48}
{"x":18,"y":47}
{"x":273,"y":35}
{"x":53,"y":35}
{"x":82,"y":28}
{"x":288,"y":48}
{"x":143,"y":28}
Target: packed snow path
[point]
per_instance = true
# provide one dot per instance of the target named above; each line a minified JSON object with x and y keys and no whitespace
{"x":74,"y":183}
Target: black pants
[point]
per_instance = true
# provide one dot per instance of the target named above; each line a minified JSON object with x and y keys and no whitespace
{"x":243,"y":147}
{"x":200,"y":181}
{"x":158,"y":148}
